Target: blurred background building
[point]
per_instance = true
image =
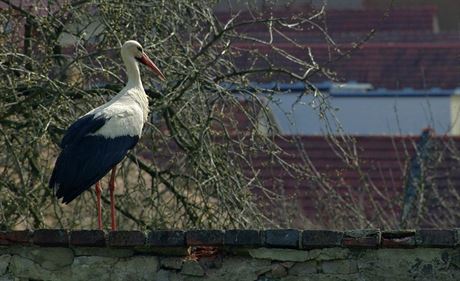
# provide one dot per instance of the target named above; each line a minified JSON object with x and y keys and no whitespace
{"x":385,"y":94}
{"x":405,"y":78}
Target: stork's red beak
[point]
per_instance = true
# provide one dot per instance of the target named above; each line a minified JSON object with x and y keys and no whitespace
{"x":149,"y":63}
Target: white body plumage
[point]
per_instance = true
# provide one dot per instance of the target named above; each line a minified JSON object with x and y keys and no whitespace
{"x":126,"y":114}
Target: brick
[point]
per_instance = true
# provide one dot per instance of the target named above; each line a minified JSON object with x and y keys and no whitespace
{"x":166,"y":238}
{"x":321,"y":238}
{"x":398,"y":239}
{"x":22,"y":237}
{"x":88,"y":238}
{"x":435,"y":237}
{"x":282,"y":238}
{"x":366,"y":238}
{"x":404,"y":242}
{"x":51,"y":237}
{"x":398,"y":233}
{"x":126,"y":238}
{"x":457,"y":236}
{"x":242,"y":238}
{"x":204,"y":237}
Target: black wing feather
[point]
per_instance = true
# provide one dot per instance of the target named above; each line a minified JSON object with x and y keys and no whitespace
{"x":82,"y":127}
{"x":85,"y":158}
{"x":80,"y":165}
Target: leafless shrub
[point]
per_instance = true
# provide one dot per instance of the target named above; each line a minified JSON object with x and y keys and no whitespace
{"x":189,"y":170}
{"x":198,"y":162}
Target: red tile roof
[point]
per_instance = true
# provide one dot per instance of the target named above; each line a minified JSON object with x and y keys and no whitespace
{"x":387,"y":65}
{"x":420,"y":18}
{"x":322,"y":187}
{"x":399,"y":65}
{"x":405,"y":52}
{"x":402,"y":19}
{"x":374,"y":187}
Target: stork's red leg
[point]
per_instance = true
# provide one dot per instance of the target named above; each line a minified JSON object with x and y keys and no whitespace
{"x":99,"y":208}
{"x":112,"y":198}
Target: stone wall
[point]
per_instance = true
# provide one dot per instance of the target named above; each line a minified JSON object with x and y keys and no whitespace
{"x":283,"y":254}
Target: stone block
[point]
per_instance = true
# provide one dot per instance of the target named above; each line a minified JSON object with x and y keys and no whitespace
{"x":339,"y":267}
{"x":98,"y":269}
{"x":164,"y":275}
{"x":435,"y":237}
{"x":366,"y":238}
{"x":9,"y":277}
{"x":88,"y":238}
{"x":455,"y":260}
{"x":135,"y":268}
{"x":192,"y":268}
{"x":288,"y":264}
{"x":263,"y":271}
{"x":27,"y":269}
{"x":328,"y":254}
{"x":212,"y":261}
{"x":51,"y":237}
{"x":304,"y":268}
{"x":204,"y":237}
{"x":280,"y":254}
{"x":278,"y":271}
{"x":248,"y":238}
{"x":312,"y":239}
{"x":237,"y":268}
{"x":171,"y":262}
{"x":4,"y":263}
{"x":22,"y":237}
{"x":166,"y":238}
{"x":398,"y":239}
{"x":52,"y":258}
{"x":126,"y":238}
{"x":282,"y":238}
{"x":48,"y":258}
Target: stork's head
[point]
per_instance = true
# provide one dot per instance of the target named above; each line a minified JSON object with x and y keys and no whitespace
{"x":133,"y":50}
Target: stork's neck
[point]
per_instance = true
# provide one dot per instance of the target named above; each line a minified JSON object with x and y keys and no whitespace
{"x":132,"y":69}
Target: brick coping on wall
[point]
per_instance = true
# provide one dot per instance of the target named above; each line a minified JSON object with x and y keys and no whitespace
{"x":272,"y":238}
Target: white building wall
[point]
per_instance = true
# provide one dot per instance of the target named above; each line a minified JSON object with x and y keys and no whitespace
{"x":364,"y":114}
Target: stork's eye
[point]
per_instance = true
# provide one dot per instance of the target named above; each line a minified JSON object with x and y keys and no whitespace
{"x":139,"y":48}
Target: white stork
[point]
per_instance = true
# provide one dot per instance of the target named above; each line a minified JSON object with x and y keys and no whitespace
{"x":95,"y":143}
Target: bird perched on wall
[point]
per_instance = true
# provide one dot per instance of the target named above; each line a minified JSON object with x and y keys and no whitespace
{"x":96,"y":142}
